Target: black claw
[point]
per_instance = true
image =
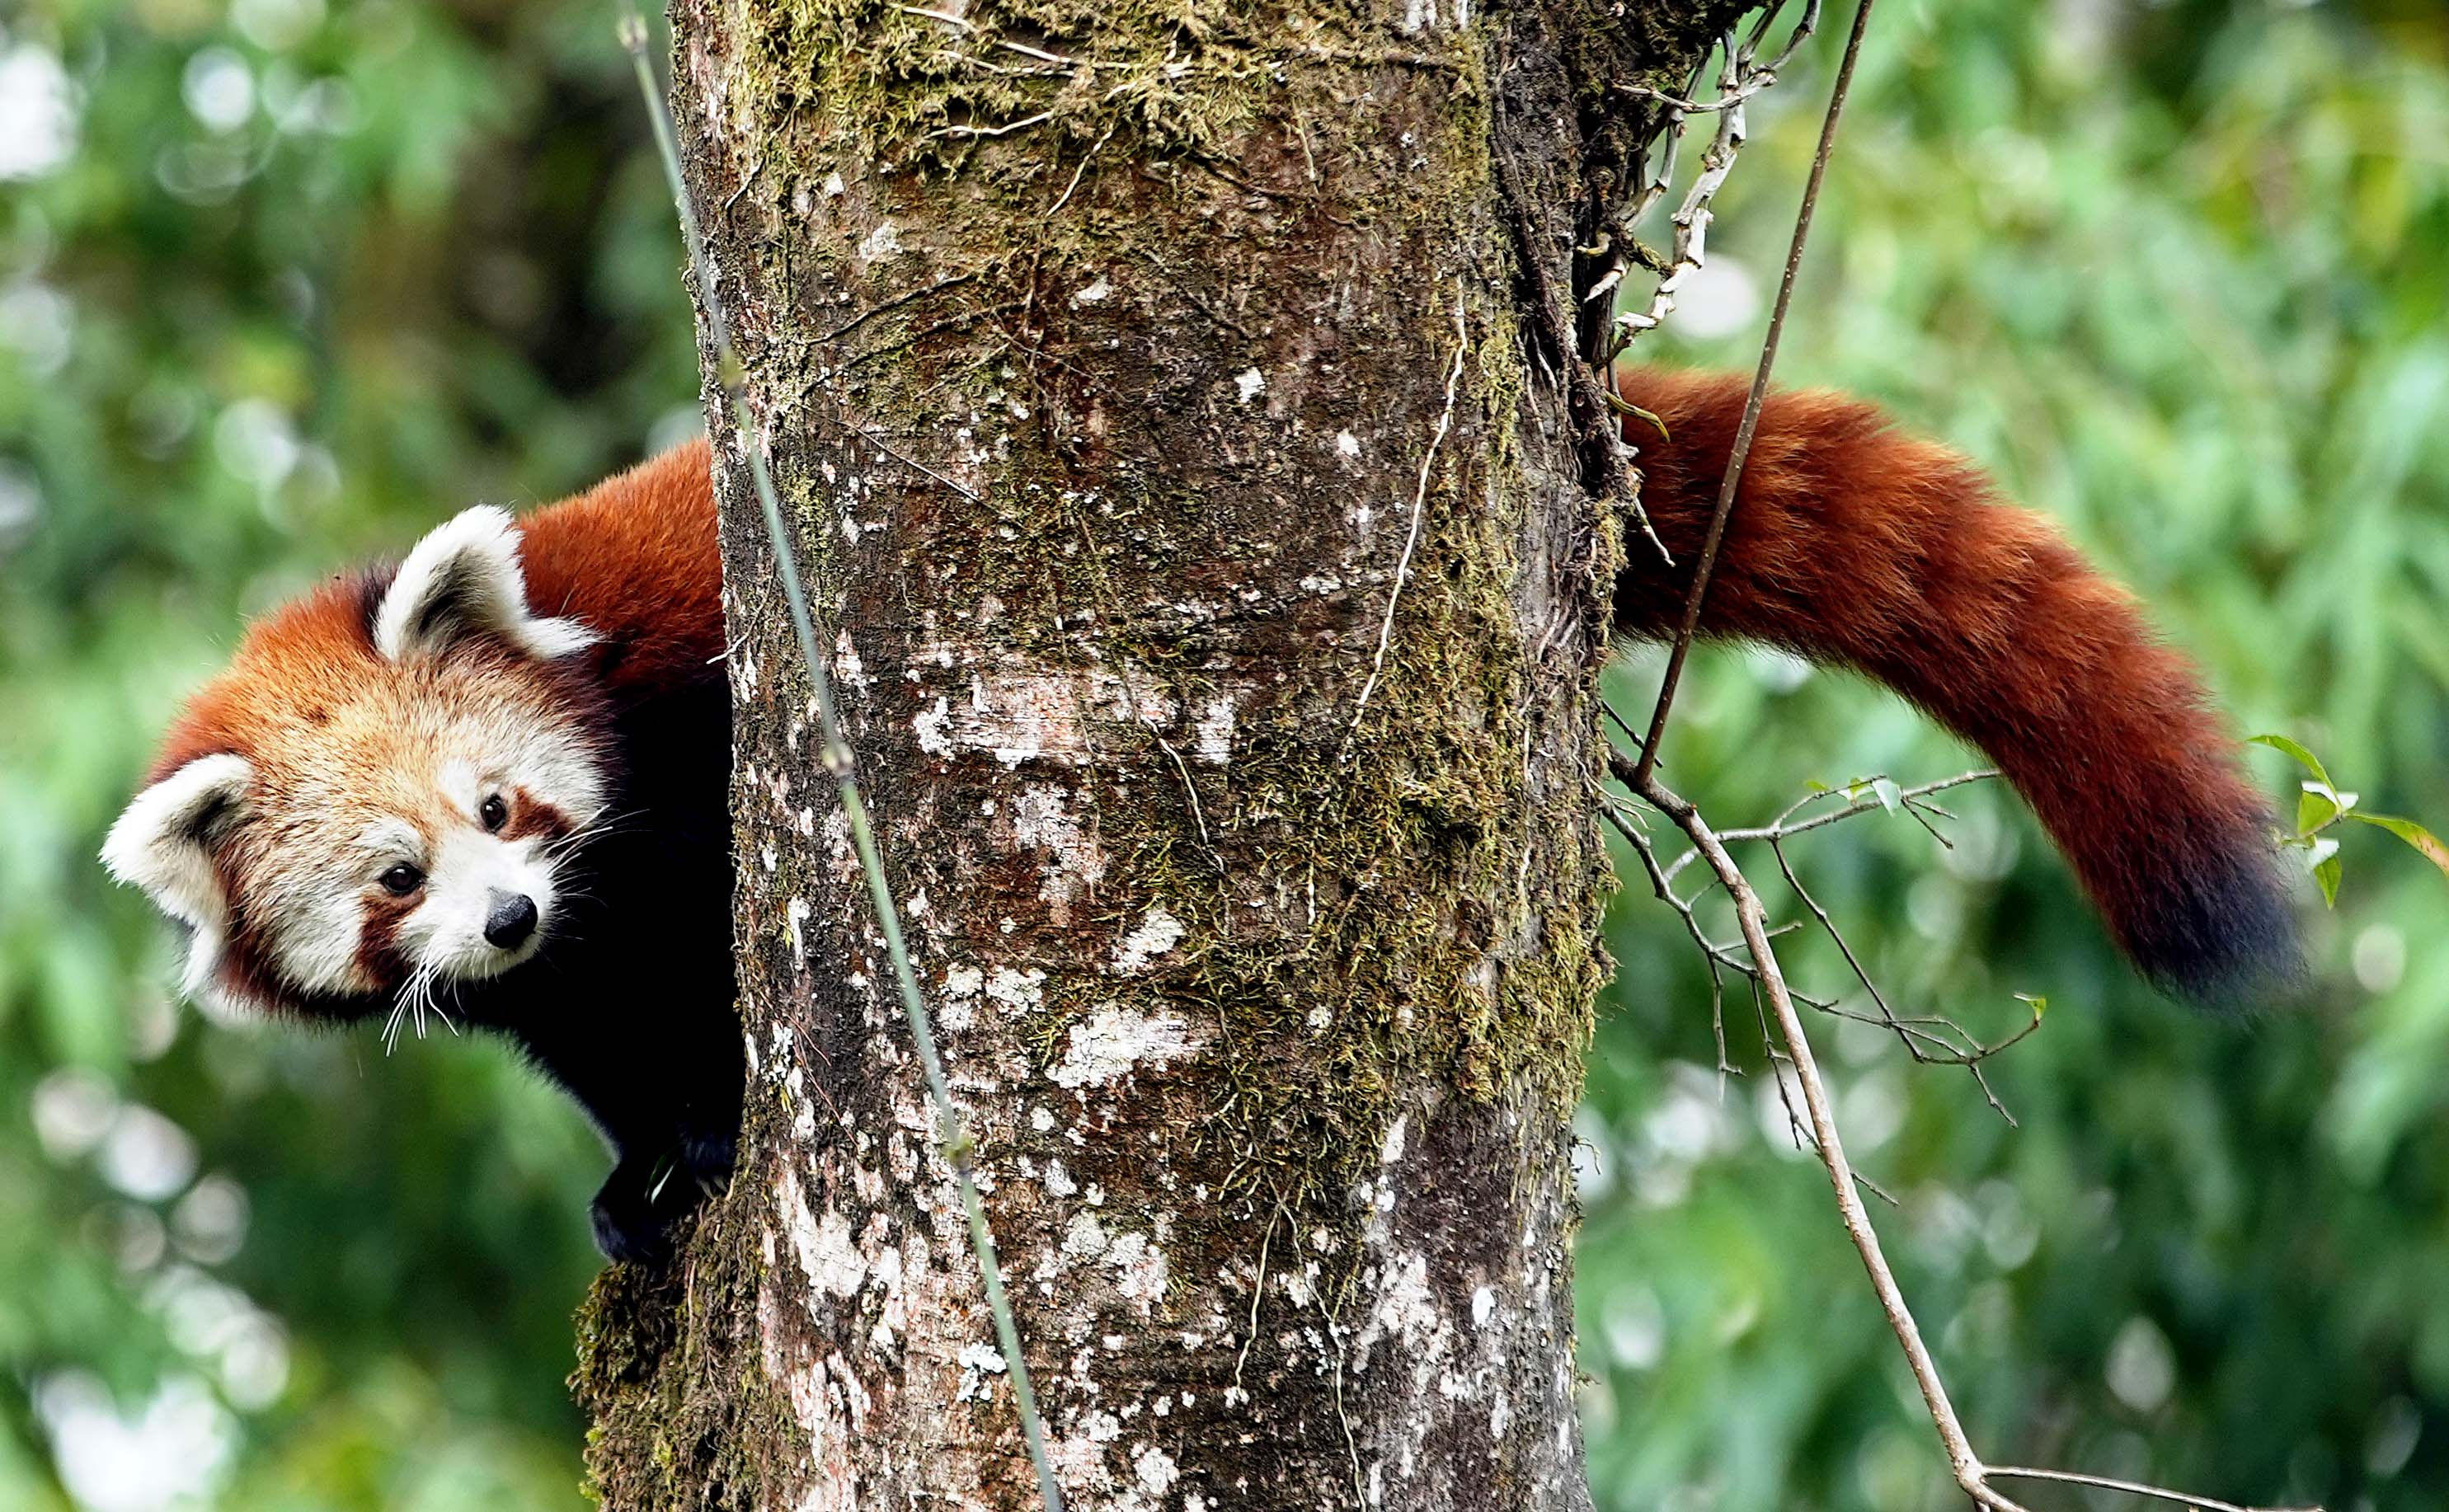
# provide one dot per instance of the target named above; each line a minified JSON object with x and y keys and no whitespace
{"x":709,"y":1161}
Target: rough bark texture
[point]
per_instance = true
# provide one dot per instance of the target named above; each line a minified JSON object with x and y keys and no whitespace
{"x":1116,"y":357}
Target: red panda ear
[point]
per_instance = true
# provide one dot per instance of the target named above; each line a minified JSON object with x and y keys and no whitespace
{"x":164,"y":844}
{"x":463,"y":579}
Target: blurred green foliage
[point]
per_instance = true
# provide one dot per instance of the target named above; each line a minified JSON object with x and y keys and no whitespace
{"x":280,"y":284}
{"x":279,"y":288}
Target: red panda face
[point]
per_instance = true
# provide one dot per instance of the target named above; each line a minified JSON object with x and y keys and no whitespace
{"x":422,"y":833}
{"x":384,"y":792}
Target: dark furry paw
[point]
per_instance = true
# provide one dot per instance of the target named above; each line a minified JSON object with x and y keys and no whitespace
{"x":628,"y":1226}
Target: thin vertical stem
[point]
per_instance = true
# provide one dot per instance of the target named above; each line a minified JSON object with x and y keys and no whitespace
{"x":835,"y":754}
{"x":1744,"y":433}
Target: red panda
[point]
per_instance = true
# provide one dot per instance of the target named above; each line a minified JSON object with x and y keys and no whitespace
{"x":494,"y":778}
{"x":491,"y":781}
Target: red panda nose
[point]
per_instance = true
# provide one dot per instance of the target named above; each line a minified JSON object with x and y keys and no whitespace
{"x":511,"y":921}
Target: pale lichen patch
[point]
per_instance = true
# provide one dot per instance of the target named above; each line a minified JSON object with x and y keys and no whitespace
{"x":1158,"y":932}
{"x":1141,"y":1271}
{"x":928,"y":727}
{"x":1020,"y":990}
{"x":1026,"y":713}
{"x":1214,"y":732}
{"x":1156,"y":1470}
{"x":1083,"y":1238}
{"x":1391,"y":1150}
{"x":1075,"y":862}
{"x":979,"y":1363}
{"x":821,"y":1242}
{"x":1112,"y":1040}
{"x":884,"y":241}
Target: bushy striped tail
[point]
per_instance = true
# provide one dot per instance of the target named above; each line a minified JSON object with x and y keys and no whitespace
{"x":1855,"y":545}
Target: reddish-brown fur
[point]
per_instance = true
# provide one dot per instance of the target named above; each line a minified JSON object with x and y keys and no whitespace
{"x":1855,"y":545}
{"x":635,"y":558}
{"x":624,"y":734}
{"x":1850,"y":544}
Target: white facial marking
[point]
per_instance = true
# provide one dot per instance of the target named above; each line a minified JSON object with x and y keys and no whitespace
{"x":472,"y":872}
{"x":460,"y":786}
{"x":391,"y":841}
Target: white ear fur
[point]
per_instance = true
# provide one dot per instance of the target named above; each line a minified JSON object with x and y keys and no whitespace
{"x":160,"y":845}
{"x":464,"y":575}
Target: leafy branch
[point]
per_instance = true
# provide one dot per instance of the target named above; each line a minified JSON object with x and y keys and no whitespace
{"x":2323,"y":806}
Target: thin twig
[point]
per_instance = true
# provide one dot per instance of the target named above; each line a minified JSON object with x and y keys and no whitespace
{"x":1778,"y":829}
{"x":1971,"y":1059}
{"x":1743,"y":76}
{"x":1258,"y":1293}
{"x":1004,"y":130}
{"x":1752,"y":920}
{"x":1412,"y":540}
{"x":2104,"y":1483}
{"x":861,"y":319}
{"x":963,"y":23}
{"x":1759,"y":393}
{"x":1971,"y":1475}
{"x":954,"y":1137}
{"x":1930,"y":1039}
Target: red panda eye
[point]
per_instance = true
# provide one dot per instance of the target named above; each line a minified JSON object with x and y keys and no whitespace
{"x":402,"y":880}
{"x":493,"y":811}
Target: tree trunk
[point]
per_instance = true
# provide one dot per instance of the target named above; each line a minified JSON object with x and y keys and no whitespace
{"x":1178,"y":412}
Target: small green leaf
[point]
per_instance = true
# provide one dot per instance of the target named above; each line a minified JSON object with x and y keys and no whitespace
{"x":2324,"y":858}
{"x":2425,"y":842}
{"x":1891,"y":796}
{"x":2038,"y":1004}
{"x":2314,"y":809}
{"x":2311,"y":762}
{"x":1814,"y":784}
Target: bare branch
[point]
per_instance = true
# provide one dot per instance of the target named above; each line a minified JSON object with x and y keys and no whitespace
{"x":1930,"y":1039}
{"x":2103,"y":1483}
{"x":1743,"y":77}
{"x":1781,"y":829}
{"x":1777,"y":1002}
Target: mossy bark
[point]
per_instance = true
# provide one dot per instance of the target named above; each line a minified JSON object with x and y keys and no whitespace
{"x":1175,"y":411}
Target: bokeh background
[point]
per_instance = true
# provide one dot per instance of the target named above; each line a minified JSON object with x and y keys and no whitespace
{"x":283,"y":281}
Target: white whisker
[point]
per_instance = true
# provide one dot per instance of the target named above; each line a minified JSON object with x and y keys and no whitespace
{"x":416,"y":998}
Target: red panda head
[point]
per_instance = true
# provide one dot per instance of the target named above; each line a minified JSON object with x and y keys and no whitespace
{"x":381,"y":792}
